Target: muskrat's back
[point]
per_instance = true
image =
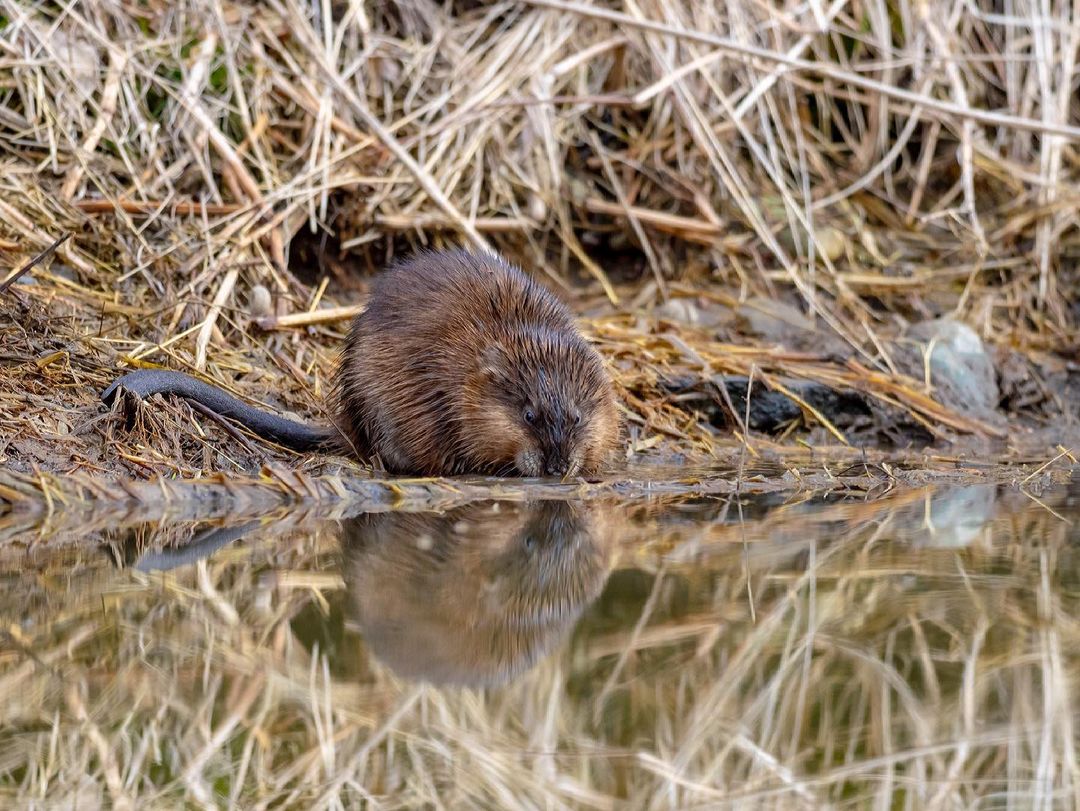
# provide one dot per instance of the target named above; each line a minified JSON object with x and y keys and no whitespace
{"x":461,"y":362}
{"x":421,"y":292}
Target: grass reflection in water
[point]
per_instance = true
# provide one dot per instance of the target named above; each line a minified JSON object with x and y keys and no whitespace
{"x":916,"y":650}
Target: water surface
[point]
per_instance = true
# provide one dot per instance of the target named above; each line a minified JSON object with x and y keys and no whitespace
{"x":821,"y":650}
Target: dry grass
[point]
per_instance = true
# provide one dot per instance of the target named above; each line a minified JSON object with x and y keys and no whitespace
{"x":820,"y":653}
{"x":871,"y":163}
{"x":669,"y":167}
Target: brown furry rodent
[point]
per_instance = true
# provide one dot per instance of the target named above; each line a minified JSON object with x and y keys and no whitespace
{"x":477,"y":595}
{"x":460,"y":363}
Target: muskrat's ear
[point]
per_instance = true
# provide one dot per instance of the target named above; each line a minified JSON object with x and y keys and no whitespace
{"x":493,"y":362}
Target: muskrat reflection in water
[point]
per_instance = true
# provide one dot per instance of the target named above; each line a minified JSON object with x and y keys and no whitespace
{"x":474,"y":596}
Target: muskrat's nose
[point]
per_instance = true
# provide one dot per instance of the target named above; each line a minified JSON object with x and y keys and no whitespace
{"x":556,"y":467}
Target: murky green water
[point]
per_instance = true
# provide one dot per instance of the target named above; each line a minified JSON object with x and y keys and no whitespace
{"x":915,"y":650}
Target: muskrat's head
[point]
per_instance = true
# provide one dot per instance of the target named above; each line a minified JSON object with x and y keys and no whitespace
{"x":541,"y":403}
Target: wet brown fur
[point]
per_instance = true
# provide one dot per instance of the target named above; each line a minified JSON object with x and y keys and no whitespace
{"x":452,"y":351}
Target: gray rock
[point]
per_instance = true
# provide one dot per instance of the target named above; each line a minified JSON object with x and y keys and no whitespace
{"x":694,"y":314}
{"x":779,"y":323}
{"x":260,"y":303}
{"x":961,"y":371}
{"x":773,"y":320}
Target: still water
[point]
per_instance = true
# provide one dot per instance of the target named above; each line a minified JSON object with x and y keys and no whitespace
{"x":917,"y":650}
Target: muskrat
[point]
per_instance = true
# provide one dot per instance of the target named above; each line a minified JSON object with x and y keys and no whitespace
{"x":475,"y":595}
{"x":460,"y":363}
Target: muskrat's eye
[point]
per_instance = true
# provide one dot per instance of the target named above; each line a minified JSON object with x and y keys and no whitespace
{"x":577,"y":418}
{"x":529,"y":416}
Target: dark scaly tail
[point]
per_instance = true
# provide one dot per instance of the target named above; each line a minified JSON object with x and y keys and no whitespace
{"x":295,"y":435}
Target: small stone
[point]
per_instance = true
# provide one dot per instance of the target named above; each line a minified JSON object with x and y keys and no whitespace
{"x":260,"y":303}
{"x":579,"y":191}
{"x":62,"y":271}
{"x":687,"y":311}
{"x":389,"y":70}
{"x":961,"y":371}
{"x":538,"y":209}
{"x":81,"y":59}
{"x":773,"y":320}
{"x":832,"y":243}
{"x":776,"y":322}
